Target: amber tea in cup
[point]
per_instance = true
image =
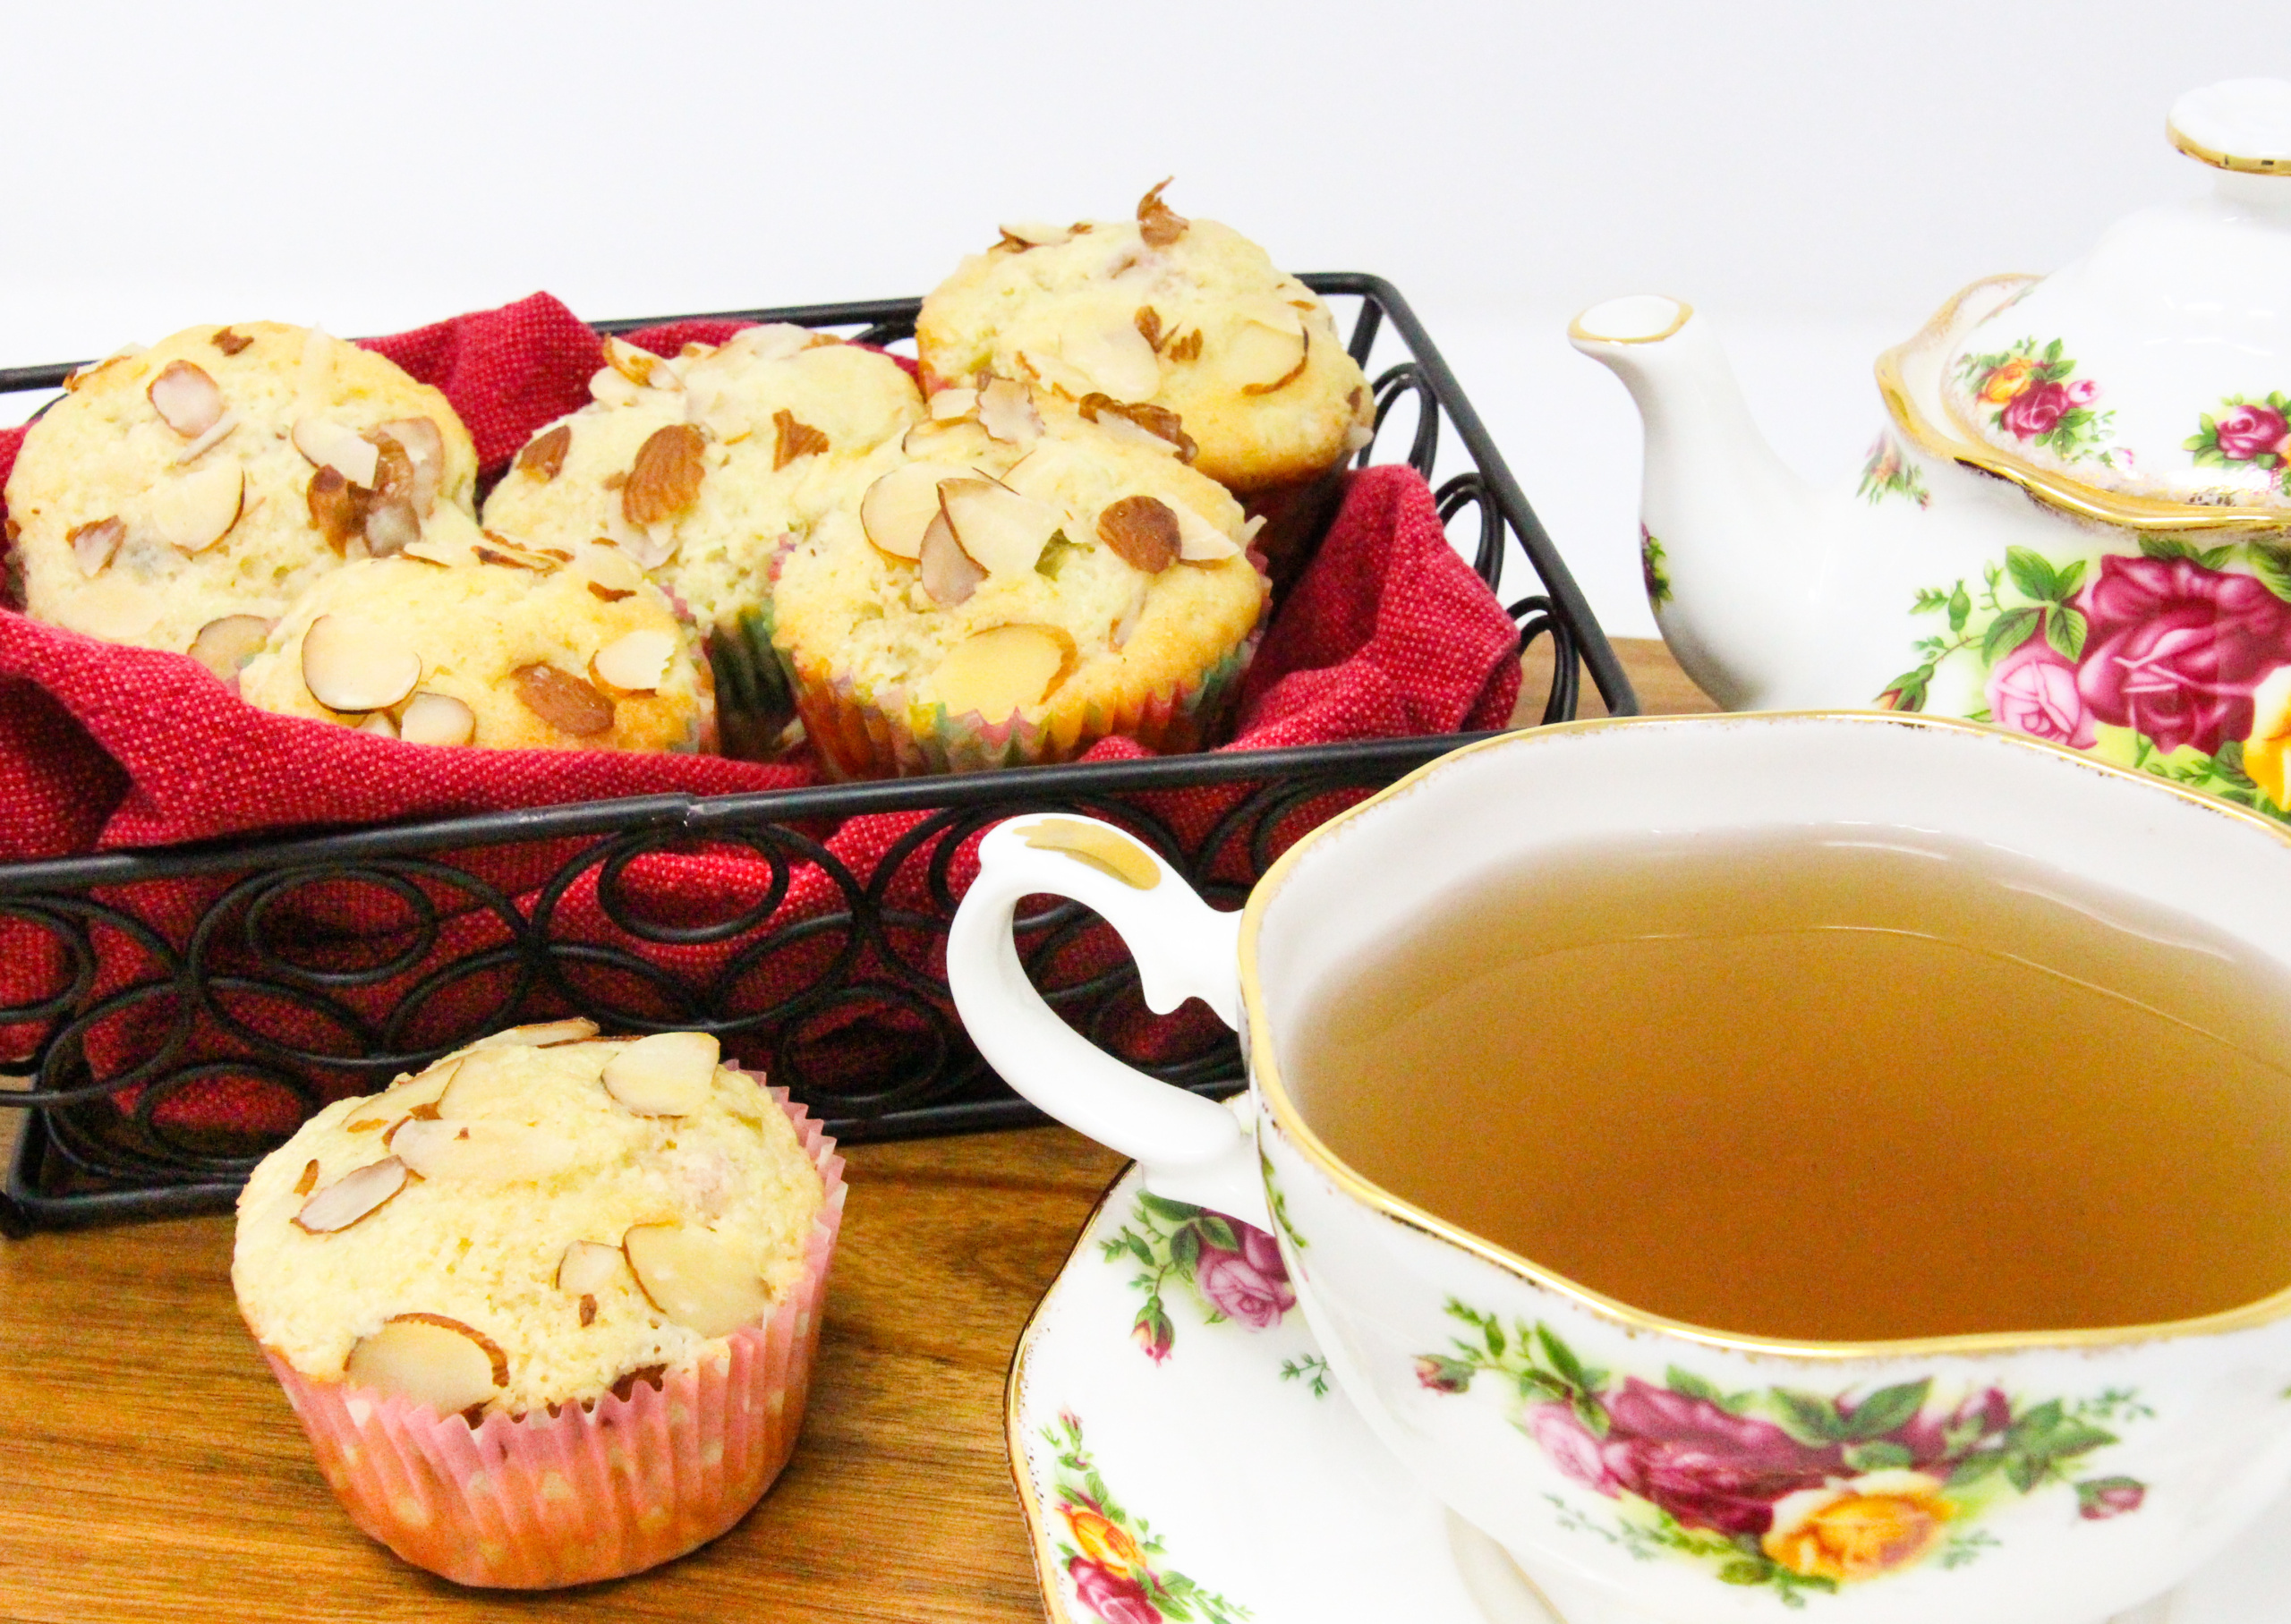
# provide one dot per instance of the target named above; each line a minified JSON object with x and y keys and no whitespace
{"x":1845,"y":1085}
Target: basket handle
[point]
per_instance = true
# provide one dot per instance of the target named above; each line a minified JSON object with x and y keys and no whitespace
{"x":1192,"y":1149}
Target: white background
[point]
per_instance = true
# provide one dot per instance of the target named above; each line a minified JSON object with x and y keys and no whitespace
{"x":1815,"y":176}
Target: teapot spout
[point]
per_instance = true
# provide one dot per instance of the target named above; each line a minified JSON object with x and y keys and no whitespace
{"x":1728,"y":535}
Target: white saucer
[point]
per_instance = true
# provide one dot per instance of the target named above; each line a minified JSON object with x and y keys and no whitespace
{"x":1224,"y":1481}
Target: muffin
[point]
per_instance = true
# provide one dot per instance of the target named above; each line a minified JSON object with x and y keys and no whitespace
{"x":1185,"y":315}
{"x":1029,"y":581}
{"x":698,"y":466}
{"x":214,"y":476}
{"x":477,"y":640}
{"x":547,"y":1310}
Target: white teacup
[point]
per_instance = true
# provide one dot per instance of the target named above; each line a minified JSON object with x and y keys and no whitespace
{"x":1583,"y":1434}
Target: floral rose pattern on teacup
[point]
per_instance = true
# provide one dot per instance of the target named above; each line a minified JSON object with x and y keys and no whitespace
{"x":1889,"y":472}
{"x":1650,"y":569}
{"x":1798,"y":1490}
{"x":1232,"y":1269}
{"x":2256,"y":433}
{"x":2032,"y":395}
{"x":1113,"y":1559}
{"x":2177,"y":662}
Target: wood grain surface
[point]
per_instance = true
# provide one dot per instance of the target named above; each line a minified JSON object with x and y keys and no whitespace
{"x":153,"y":1469}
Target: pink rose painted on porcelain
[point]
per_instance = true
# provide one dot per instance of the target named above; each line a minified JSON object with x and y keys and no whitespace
{"x":2034,"y":690}
{"x":1708,"y":1468}
{"x":2246,"y":431}
{"x":1251,"y":1285}
{"x":1115,"y":1598}
{"x":2173,"y":649}
{"x":1571,"y":1444}
{"x":2037,"y":410}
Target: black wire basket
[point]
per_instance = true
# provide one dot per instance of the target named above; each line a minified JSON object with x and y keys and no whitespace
{"x":866,"y":1037}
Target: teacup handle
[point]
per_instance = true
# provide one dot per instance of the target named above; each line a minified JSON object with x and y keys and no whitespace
{"x":1191,"y":1149}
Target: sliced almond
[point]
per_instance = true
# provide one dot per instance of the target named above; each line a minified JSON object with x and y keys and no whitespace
{"x":327,"y":444}
{"x":224,"y":645}
{"x":566,"y":703}
{"x":79,"y":378}
{"x":215,"y":433}
{"x":308,"y":1181}
{"x":1003,"y":531}
{"x":185,"y":398}
{"x":898,"y":507}
{"x":1272,"y":312}
{"x":425,"y":448}
{"x":193,"y":512}
{"x":794,"y":439}
{"x":1148,"y":323}
{"x":951,"y":405}
{"x":1186,"y":346}
{"x":94,"y":543}
{"x":608,"y":387}
{"x":352,"y":1196}
{"x":636,"y":662}
{"x":670,"y":1074}
{"x":664,"y":480}
{"x":695,"y":1278}
{"x":952,"y":440}
{"x":1148,"y":427}
{"x":436,"y":719}
{"x":541,"y":1035}
{"x":1265,"y":357}
{"x":430,"y":1359}
{"x":1007,"y":412}
{"x":544,"y":456}
{"x":1143,"y":532}
{"x":1199,"y":541}
{"x":1020,"y":236}
{"x":448,"y":553}
{"x":349,"y":665}
{"x":773,"y":341}
{"x":337,"y":511}
{"x":640,"y":367}
{"x":228,"y":342}
{"x":392,"y":515}
{"x":1054,"y":373}
{"x":119,"y":611}
{"x":1115,"y":357}
{"x":587,"y":1266}
{"x":379,"y":725}
{"x":1006,"y":669}
{"x":949,"y":575}
{"x":480,"y":1152}
{"x":1157,"y":222}
{"x":1125,"y":624}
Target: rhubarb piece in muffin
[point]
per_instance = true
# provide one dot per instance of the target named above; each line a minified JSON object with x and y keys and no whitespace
{"x":546,"y":1309}
{"x":1028,"y":581}
{"x":697,"y":466}
{"x":481,"y":641}
{"x":200,"y":486}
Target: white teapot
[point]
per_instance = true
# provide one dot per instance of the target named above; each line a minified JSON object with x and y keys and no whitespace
{"x":2076,"y":523}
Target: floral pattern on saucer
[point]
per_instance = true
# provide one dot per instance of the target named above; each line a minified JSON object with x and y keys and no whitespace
{"x":2177,"y":662}
{"x":1888,"y":473}
{"x":2031,"y":395}
{"x":1650,"y":569}
{"x":1796,"y":1490}
{"x":1231,"y":1270}
{"x":1113,"y":1559}
{"x":2252,"y":433}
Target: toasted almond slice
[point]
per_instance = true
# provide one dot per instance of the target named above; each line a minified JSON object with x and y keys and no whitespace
{"x":216,"y":434}
{"x":79,"y":378}
{"x":948,"y":574}
{"x":1114,"y":355}
{"x":440,"y":550}
{"x":380,"y":726}
{"x":773,"y":341}
{"x":122,"y":611}
{"x":337,"y":509}
{"x":436,"y":719}
{"x":224,"y":645}
{"x":568,"y":703}
{"x":94,"y":543}
{"x":1003,"y":531}
{"x":958,"y":439}
{"x":430,"y":1359}
{"x":541,"y":1035}
{"x":348,"y":665}
{"x":1157,"y":222}
{"x":1024,"y":234}
{"x":898,"y":507}
{"x":793,"y":438}
{"x":951,"y":405}
{"x":1054,"y":372}
{"x":1006,"y":669}
{"x":696,"y":1278}
{"x":499,"y":550}
{"x":608,"y":387}
{"x":1265,"y":359}
{"x":1007,"y":412}
{"x":327,"y":444}
{"x":351,"y":1197}
{"x":193,"y":512}
{"x":1199,"y":541}
{"x":425,"y":448}
{"x":664,"y":480}
{"x":480,"y":1152}
{"x":670,"y":1074}
{"x":544,"y":456}
{"x":640,"y":367}
{"x":1271,"y":311}
{"x":185,"y":398}
{"x":228,"y":342}
{"x":588,"y":1266}
{"x":308,"y":1181}
{"x":636,"y":662}
{"x":1143,"y":531}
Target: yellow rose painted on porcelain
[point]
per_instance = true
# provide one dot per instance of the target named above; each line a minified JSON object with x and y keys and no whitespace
{"x":1878,"y":1524}
{"x":1099,"y":1540}
{"x":2006,"y":381}
{"x":2265,"y":753}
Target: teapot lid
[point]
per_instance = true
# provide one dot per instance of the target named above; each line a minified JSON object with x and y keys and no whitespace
{"x":2148,"y":383}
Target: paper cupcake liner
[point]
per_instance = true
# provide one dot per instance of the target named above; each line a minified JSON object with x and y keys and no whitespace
{"x":753,"y":704}
{"x":597,"y":1490}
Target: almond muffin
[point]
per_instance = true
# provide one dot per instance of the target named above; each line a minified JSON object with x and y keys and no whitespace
{"x":477,"y":640}
{"x":1028,"y":580}
{"x":205,"y":482}
{"x":546,"y":1309}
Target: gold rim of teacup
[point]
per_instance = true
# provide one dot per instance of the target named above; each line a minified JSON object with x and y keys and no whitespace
{"x":1266,"y":1070}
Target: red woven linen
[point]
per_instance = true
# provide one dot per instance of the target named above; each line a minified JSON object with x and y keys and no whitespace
{"x":1386,"y":633}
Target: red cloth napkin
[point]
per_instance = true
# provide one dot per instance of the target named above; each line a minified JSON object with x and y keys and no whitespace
{"x":1386,"y":633}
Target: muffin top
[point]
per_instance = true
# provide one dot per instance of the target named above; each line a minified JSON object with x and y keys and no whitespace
{"x":1188,"y":315}
{"x":523,"y":1225}
{"x":1022,"y":557}
{"x":697,"y":466}
{"x":218,"y":473}
{"x":482,"y":642}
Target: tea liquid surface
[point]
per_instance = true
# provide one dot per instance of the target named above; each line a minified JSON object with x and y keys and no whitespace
{"x":1838,"y":1087}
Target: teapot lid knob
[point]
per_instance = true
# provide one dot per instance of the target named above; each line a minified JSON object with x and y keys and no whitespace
{"x":2243,"y":124}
